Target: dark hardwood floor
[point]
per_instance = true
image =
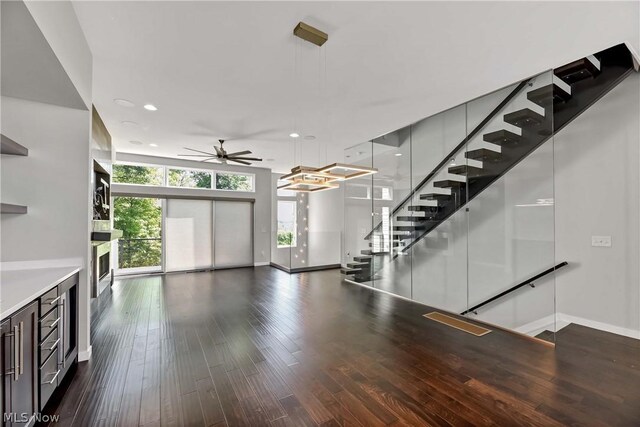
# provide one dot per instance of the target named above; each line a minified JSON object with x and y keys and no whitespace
{"x":259,"y":347}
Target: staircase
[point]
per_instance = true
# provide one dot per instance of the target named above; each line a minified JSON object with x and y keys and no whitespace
{"x":542,"y":112}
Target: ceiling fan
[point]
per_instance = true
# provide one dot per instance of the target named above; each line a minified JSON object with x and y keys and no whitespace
{"x":222,"y":156}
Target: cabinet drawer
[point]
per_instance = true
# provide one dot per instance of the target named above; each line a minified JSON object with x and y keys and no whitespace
{"x":49,"y":373}
{"x":48,"y":301}
{"x":49,"y":345}
{"x":48,"y":323}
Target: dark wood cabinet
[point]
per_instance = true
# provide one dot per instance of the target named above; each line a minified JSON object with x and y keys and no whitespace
{"x":20,"y":366}
{"x":38,"y":346}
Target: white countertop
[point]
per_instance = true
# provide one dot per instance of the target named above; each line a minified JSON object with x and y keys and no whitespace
{"x":19,"y":287}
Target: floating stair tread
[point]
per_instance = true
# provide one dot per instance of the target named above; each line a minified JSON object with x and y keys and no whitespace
{"x":411,"y":218}
{"x":8,"y":208}
{"x":9,"y":146}
{"x":409,"y":227}
{"x":484,"y":155}
{"x":465,"y":170}
{"x":524,"y":118}
{"x":358,"y":264}
{"x":421,"y":208}
{"x":501,"y":137}
{"x":435,"y":196}
{"x":370,"y":252}
{"x":350,"y":270}
{"x":578,"y":70}
{"x":546,"y":95}
{"x":449,"y":183}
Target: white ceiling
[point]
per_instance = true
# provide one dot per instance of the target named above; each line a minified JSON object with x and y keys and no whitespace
{"x":226,"y":69}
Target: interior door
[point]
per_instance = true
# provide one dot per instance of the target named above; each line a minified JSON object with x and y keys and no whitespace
{"x":233,"y":231}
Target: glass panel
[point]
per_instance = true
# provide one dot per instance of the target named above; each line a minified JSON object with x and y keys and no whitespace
{"x":234,"y":181}
{"x":358,"y":207}
{"x":392,"y":187}
{"x":439,"y":248}
{"x":140,"y":219}
{"x":137,"y":174}
{"x":511,"y":207}
{"x":287,"y":230}
{"x":189,"y":234}
{"x":299,"y":253}
{"x":189,"y":178}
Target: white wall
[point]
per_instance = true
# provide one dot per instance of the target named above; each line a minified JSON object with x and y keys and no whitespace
{"x":262,"y":194}
{"x":53,"y":181}
{"x":326,"y":223}
{"x":597,"y":193}
{"x":69,"y":46}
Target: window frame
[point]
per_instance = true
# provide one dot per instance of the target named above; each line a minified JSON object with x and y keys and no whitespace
{"x":215,"y":181}
{"x":294,"y":239}
{"x":145,"y":165}
{"x":165,"y":177}
{"x":169,"y":168}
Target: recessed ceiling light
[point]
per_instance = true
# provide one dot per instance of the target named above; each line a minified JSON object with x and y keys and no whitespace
{"x":129,"y":123}
{"x":294,"y":135}
{"x":398,"y":154}
{"x":153,"y":145}
{"x":150,"y":107}
{"x":124,"y":102}
{"x":136,"y":142}
{"x":309,"y":137}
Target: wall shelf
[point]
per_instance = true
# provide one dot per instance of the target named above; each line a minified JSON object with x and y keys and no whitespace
{"x":9,"y":146}
{"x":7,"y":208}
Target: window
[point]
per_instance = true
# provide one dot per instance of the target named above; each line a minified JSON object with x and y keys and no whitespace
{"x":138,"y":174}
{"x":189,"y":178}
{"x":234,"y":181}
{"x":286,"y":236}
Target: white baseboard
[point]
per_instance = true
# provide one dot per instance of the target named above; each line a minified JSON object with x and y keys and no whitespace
{"x":558,"y":321}
{"x":547,"y":323}
{"x":565,"y":319}
{"x":83,"y":356}
{"x":260,"y":264}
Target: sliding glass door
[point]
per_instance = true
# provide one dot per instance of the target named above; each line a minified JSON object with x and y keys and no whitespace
{"x":140,"y":248}
{"x":189,"y":234}
{"x":233,"y":235}
{"x":206,"y":234}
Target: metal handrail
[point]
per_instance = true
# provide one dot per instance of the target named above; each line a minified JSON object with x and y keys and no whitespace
{"x":513,"y":288}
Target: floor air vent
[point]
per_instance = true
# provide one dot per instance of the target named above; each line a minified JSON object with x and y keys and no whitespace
{"x":467,"y":327}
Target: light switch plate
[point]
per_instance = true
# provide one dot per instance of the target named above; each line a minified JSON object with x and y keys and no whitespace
{"x":601,"y":241}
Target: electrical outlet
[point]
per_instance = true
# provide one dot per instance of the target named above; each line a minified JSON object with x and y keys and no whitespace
{"x":601,"y":241}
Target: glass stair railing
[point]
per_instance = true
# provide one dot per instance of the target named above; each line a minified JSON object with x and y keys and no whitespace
{"x":529,"y":116}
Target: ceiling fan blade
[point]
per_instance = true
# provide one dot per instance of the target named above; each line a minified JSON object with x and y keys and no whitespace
{"x":194,"y":155}
{"x":239,"y":153}
{"x":198,"y":151}
{"x":255,"y":159}
{"x":239,"y":161}
{"x":210,"y":158}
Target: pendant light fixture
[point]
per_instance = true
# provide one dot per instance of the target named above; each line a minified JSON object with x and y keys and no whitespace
{"x":310,"y":179}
